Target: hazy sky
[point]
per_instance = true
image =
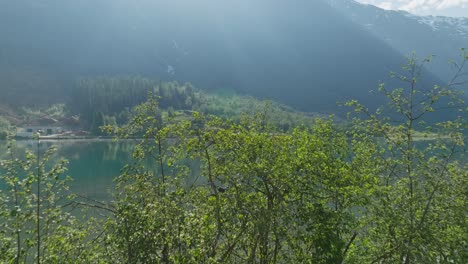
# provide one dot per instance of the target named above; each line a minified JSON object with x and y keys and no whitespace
{"x":457,"y":8}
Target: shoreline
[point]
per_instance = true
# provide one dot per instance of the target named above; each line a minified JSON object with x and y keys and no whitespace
{"x":56,"y":138}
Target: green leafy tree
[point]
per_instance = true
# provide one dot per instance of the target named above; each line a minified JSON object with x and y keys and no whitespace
{"x":418,"y":212}
{"x":35,"y":225}
{"x":152,"y":222}
{"x":5,"y":128}
{"x":260,"y":196}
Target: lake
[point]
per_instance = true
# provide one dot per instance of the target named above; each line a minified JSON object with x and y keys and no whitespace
{"x":93,"y":164}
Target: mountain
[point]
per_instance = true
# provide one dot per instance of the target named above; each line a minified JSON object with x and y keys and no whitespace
{"x":303,"y":53}
{"x":405,"y":32}
{"x":454,"y":27}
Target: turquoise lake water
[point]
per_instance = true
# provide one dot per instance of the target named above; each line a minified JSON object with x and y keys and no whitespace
{"x":93,"y":164}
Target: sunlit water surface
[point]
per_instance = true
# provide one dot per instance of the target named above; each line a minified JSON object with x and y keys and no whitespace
{"x":93,"y":164}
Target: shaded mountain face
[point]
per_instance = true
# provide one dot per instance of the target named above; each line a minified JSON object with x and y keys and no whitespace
{"x":303,"y":53}
{"x":425,"y":35}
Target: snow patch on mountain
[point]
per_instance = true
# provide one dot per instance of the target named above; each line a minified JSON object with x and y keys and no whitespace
{"x":452,"y":26}
{"x":456,"y":25}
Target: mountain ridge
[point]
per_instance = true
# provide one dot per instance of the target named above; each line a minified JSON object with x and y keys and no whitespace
{"x":303,"y":53}
{"x":426,"y":35}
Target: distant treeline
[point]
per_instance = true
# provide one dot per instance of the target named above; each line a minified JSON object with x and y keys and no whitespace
{"x":109,"y":101}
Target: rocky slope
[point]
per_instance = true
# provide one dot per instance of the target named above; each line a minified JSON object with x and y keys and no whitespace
{"x":425,"y":35}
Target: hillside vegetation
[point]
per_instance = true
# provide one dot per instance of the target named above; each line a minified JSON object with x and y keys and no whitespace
{"x":207,"y":189}
{"x":100,"y":101}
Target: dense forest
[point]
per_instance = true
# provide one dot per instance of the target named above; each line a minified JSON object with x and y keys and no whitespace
{"x":105,"y":100}
{"x":260,"y":191}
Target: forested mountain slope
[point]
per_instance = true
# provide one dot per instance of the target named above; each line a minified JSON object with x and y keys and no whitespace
{"x":302,"y":53}
{"x":405,"y":32}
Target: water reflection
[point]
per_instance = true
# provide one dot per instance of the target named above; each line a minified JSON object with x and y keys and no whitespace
{"x":93,"y":164}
